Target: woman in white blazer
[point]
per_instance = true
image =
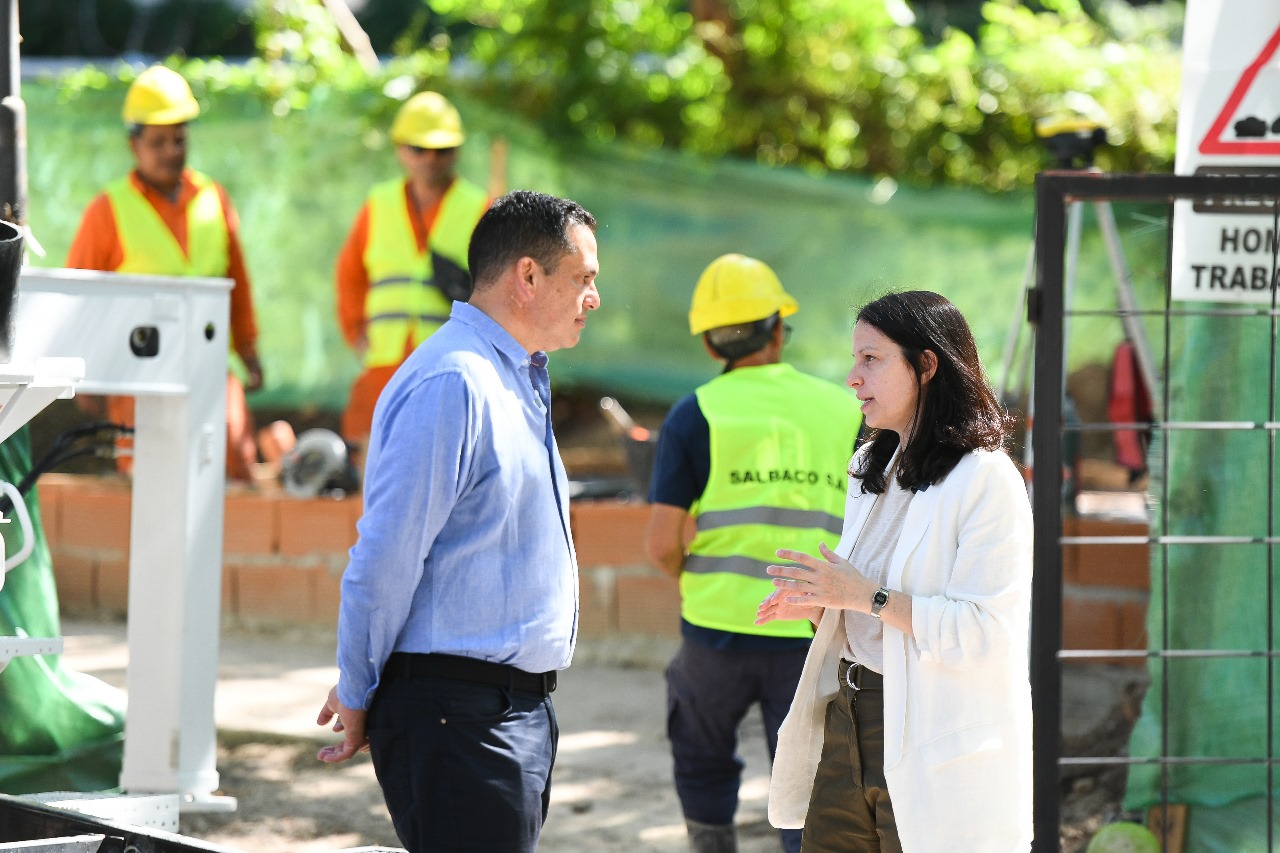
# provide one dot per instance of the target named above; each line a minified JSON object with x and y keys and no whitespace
{"x":911,"y":727}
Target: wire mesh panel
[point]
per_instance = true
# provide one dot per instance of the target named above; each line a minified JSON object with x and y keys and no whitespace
{"x":1193,"y":651}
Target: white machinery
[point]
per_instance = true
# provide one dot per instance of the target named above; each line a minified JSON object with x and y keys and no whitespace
{"x":24,"y":391}
{"x":163,"y":341}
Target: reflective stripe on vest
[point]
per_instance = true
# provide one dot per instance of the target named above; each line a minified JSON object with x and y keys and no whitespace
{"x":149,"y":247}
{"x":403,"y":306}
{"x":780,"y":447}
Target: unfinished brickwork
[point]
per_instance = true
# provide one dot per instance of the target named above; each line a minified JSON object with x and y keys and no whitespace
{"x":283,"y":559}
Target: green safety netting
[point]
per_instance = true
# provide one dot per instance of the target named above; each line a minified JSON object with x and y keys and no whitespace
{"x":298,"y":179}
{"x":60,"y":730}
{"x":1212,"y":597}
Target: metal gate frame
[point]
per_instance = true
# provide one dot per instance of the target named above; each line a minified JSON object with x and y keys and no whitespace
{"x":1046,"y":311}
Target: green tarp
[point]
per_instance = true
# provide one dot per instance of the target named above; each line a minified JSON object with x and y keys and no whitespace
{"x":298,"y":180}
{"x":59,"y":730}
{"x":1212,"y":597}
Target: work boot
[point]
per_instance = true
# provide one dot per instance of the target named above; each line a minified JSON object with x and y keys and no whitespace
{"x":711,"y":837}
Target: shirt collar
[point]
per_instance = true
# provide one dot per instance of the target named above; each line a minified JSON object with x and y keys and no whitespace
{"x":494,"y":333}
{"x":186,"y":188}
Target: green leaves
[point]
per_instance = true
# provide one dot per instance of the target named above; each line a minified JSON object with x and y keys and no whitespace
{"x":828,"y":85}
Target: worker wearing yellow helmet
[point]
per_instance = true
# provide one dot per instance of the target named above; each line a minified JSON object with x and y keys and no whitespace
{"x":167,"y":219}
{"x":404,"y":262}
{"x":758,"y":459}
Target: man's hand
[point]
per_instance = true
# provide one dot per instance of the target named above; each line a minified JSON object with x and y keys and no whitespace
{"x":346,"y":720}
{"x":254,"y":368}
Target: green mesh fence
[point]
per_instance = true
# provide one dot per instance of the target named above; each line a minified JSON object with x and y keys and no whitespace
{"x":298,"y":179}
{"x":836,"y":242}
{"x":1212,"y":597}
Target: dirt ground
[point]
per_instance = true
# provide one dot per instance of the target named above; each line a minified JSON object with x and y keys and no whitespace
{"x":611,"y":790}
{"x":611,"y":793}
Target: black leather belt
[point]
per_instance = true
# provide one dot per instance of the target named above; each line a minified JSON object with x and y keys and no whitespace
{"x":858,"y":677}
{"x":413,"y":665}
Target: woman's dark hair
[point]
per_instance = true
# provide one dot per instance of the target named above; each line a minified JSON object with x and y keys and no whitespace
{"x":956,"y":412}
{"x":521,"y":224}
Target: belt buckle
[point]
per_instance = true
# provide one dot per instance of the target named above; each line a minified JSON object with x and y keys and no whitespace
{"x":849,"y":676}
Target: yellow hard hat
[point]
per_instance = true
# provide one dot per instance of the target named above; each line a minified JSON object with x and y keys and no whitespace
{"x":159,"y":95}
{"x":427,"y":120}
{"x":736,"y":289}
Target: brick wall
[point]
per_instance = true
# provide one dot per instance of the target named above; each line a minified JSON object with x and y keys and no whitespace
{"x":1106,"y":587}
{"x":283,"y":559}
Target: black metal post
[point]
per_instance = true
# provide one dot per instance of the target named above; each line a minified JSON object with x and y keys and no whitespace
{"x":1045,"y":310}
{"x":13,"y":121}
{"x":13,"y":173}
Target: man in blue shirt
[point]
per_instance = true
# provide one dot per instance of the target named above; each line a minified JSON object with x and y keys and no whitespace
{"x":460,"y":599}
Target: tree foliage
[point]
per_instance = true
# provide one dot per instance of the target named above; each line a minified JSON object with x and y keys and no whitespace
{"x":844,"y":85}
{"x":828,"y":85}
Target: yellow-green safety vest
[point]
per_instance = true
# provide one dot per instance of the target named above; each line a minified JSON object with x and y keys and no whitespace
{"x":403,"y":304}
{"x":781,"y":442}
{"x":149,"y":246}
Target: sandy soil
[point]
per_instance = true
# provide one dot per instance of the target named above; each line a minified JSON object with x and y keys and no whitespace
{"x":611,"y":792}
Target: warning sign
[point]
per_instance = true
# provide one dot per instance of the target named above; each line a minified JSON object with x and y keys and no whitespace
{"x":1249,"y":125}
{"x":1228,"y":124}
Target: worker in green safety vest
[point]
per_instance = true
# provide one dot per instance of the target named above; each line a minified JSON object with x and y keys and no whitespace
{"x":757,"y":458}
{"x":405,"y":260}
{"x":165,"y":218}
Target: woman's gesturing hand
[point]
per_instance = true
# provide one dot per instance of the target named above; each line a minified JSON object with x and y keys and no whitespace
{"x":775,"y":608}
{"x":829,"y":581}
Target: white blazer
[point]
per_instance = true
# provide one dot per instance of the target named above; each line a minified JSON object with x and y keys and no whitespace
{"x":957,"y":695}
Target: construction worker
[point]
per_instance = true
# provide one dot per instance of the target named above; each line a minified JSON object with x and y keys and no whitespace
{"x":757,"y":457}
{"x":166,"y":219}
{"x":405,"y":261}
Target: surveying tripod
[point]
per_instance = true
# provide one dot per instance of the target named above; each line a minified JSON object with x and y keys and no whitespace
{"x":1073,"y":144}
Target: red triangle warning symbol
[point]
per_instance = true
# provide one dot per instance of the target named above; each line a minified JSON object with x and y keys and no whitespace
{"x":1248,"y":134}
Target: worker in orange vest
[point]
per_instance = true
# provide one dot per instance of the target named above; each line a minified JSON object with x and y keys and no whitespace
{"x":404,"y":262}
{"x":166,"y":219}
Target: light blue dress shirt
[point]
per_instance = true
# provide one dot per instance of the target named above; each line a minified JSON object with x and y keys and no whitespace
{"x":464,"y":544}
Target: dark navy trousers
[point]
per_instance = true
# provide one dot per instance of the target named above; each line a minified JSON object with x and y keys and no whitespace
{"x":709,"y":692}
{"x":463,"y":766}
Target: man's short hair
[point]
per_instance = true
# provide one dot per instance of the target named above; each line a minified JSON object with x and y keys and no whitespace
{"x":742,"y":339}
{"x":522,"y":224}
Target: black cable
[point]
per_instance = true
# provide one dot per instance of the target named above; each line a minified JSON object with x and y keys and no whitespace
{"x":34,"y":474}
{"x":82,"y":430}
{"x":62,"y":451}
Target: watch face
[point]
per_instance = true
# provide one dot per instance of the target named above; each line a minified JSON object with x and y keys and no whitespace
{"x":880,"y":599}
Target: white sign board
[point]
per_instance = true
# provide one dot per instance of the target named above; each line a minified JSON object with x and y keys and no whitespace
{"x":1228,"y":124}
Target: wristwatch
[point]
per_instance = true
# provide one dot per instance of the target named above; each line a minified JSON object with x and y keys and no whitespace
{"x":878,"y":600}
